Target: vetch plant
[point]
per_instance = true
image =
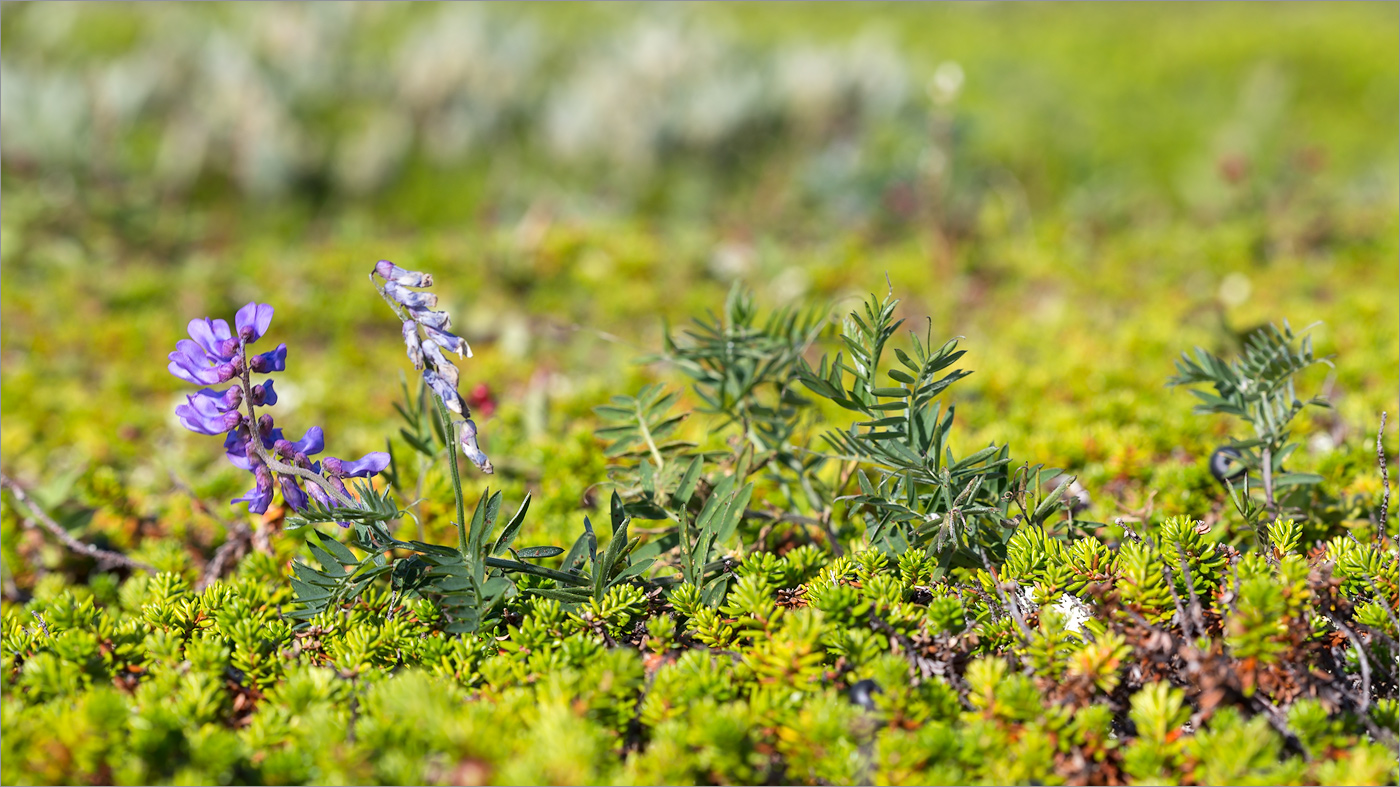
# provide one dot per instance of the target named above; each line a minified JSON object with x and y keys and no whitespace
{"x":1259,"y":388}
{"x":465,"y":583}
{"x":215,"y":354}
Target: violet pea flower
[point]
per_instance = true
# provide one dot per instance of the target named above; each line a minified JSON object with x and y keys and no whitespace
{"x":319,"y":495}
{"x":263,"y":394}
{"x":261,"y":495}
{"x":193,"y":364}
{"x":441,"y":365}
{"x":252,"y":321}
{"x":393,"y":273}
{"x":204,"y":419}
{"x":210,"y":411}
{"x":210,"y":335}
{"x":414,"y":345}
{"x":450,"y":398}
{"x":236,"y":448}
{"x":292,"y":493}
{"x":364,"y":467}
{"x":414,"y":300}
{"x":472,"y":450}
{"x":448,"y":341}
{"x":438,"y":320}
{"x":274,"y":361}
{"x":313,"y":442}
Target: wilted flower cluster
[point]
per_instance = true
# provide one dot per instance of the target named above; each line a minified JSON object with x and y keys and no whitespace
{"x":427,"y":350}
{"x":214,"y":354}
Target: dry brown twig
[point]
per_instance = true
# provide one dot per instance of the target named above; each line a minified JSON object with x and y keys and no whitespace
{"x":39,"y":518}
{"x":1006,"y":600}
{"x":240,"y":537}
{"x":1385,"y":482}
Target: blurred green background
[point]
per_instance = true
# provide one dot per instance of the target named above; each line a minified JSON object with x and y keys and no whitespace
{"x":1082,"y":191}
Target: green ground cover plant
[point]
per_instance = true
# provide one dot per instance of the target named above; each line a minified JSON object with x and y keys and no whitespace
{"x":812,"y":440}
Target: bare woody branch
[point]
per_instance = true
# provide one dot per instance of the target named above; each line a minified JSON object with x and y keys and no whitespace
{"x":39,"y":518}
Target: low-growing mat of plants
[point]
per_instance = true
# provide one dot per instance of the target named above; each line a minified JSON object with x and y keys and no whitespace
{"x":998,"y":421}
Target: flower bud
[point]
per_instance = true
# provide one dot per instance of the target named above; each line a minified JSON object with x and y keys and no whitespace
{"x":319,"y":495}
{"x":339,"y":486}
{"x":263,"y":394}
{"x":274,"y":361}
{"x":230,"y":370}
{"x":233,"y":397}
{"x":331,"y":466}
{"x":292,"y":493}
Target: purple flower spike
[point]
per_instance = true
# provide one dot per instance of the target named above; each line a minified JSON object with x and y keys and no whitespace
{"x":274,"y":361}
{"x":215,"y":354}
{"x":252,"y":321}
{"x":391,"y":272}
{"x":415,"y":301}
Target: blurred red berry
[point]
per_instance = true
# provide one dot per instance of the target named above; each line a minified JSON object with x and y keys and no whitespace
{"x":1233,"y":168}
{"x":481,"y":401}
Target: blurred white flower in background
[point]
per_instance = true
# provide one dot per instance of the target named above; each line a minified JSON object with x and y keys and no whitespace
{"x":272,"y":96}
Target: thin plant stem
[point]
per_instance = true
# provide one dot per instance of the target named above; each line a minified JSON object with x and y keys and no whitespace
{"x":1268,"y":472}
{"x":1385,"y":482}
{"x":255,"y":441}
{"x":651,"y":444}
{"x":456,"y":475}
